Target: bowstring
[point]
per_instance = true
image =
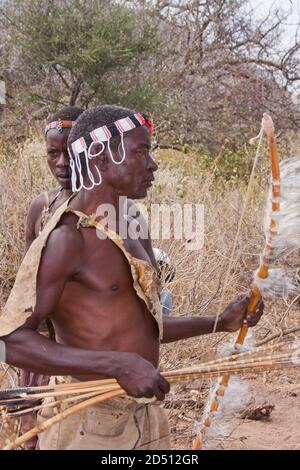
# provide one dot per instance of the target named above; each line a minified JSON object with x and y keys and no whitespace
{"x":241,"y":219}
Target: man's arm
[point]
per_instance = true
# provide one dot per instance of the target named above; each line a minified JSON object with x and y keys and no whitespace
{"x":27,"y":349}
{"x":231,"y":319}
{"x":44,"y":356}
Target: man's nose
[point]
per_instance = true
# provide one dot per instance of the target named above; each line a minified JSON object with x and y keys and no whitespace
{"x":152,"y":165}
{"x":63,"y":160}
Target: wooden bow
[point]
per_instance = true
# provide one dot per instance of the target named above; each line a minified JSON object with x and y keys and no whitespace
{"x":267,"y":127}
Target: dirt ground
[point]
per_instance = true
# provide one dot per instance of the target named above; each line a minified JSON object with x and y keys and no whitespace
{"x":244,"y":425}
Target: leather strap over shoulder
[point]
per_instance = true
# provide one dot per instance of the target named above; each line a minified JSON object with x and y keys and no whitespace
{"x":46,"y":195}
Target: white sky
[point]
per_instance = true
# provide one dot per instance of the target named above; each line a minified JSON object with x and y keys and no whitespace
{"x":264,"y":5}
{"x":292,"y":6}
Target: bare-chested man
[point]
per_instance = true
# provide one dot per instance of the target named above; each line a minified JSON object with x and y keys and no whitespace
{"x":101,"y":293}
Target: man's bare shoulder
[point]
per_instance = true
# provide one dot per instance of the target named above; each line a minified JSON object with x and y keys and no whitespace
{"x":33,"y":213}
{"x":39,"y":202}
{"x":36,"y":206}
{"x":66,"y":234}
{"x":64,"y":251}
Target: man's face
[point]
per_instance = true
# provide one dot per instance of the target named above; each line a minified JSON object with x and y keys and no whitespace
{"x":135,"y":175}
{"x":57,"y":156}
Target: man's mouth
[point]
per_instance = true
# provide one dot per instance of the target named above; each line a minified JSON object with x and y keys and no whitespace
{"x":64,"y":177}
{"x":149,"y":180}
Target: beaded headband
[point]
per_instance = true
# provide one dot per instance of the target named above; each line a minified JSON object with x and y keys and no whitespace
{"x":102,"y":134}
{"x":105,"y":133}
{"x":59,"y":125}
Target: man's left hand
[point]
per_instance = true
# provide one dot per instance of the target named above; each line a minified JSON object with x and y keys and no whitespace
{"x":235,"y":314}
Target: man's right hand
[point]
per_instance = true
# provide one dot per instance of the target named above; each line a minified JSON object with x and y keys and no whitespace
{"x":139,"y":378}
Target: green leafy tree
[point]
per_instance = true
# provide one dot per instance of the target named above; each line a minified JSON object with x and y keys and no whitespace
{"x":75,"y":51}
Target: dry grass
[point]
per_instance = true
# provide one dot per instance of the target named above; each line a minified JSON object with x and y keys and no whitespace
{"x":199,"y":282}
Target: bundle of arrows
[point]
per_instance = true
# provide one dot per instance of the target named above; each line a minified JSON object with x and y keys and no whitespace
{"x":20,"y":401}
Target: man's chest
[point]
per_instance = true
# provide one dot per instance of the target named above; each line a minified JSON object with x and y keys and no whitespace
{"x":109,"y":264}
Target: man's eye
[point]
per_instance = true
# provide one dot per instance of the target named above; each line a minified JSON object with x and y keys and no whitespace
{"x":52,"y":153}
{"x":144,"y":152}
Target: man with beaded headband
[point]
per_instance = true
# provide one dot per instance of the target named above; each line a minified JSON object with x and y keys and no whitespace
{"x":57,"y":131}
{"x":101,"y":292}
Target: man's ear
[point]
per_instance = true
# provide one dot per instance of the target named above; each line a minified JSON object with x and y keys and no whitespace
{"x":101,"y":157}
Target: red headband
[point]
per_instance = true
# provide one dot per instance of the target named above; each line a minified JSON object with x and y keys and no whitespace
{"x":59,"y":125}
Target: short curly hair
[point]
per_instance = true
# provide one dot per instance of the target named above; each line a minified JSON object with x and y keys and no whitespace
{"x":68,"y":113}
{"x":92,"y":118}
